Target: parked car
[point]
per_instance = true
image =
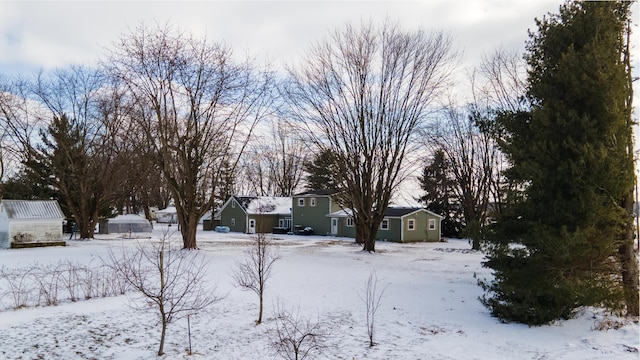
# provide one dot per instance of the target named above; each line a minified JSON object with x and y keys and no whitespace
{"x":303,"y":230}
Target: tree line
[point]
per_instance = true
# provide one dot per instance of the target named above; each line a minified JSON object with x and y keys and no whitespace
{"x":537,"y":169}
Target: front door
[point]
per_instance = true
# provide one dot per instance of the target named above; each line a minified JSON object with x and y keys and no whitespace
{"x":252,"y":226}
{"x":334,"y":226}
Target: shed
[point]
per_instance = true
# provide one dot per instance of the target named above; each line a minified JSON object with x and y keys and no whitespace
{"x":125,"y":224}
{"x":36,"y":222}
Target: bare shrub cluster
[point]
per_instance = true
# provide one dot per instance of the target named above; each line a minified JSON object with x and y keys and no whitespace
{"x":50,"y":284}
{"x":297,"y":337}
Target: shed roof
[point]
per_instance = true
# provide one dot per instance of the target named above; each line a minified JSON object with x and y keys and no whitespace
{"x":31,"y":209}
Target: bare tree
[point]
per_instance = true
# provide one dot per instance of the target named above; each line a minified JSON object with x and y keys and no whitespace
{"x":254,"y":270}
{"x":172,"y":280}
{"x":471,"y":156}
{"x":19,"y":123}
{"x":274,"y":165}
{"x":362,"y":94}
{"x":297,"y":337}
{"x":196,"y":106}
{"x":371,"y":297}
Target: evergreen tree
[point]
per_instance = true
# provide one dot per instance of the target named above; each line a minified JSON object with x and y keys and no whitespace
{"x":555,"y":249}
{"x":438,"y":186}
{"x":78,"y":171}
{"x":321,"y":171}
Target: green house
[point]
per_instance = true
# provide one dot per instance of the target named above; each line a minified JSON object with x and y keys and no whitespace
{"x":310,"y":209}
{"x":256,"y":214}
{"x":400,"y":224}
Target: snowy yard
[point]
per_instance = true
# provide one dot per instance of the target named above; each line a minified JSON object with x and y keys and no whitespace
{"x":429,"y":310}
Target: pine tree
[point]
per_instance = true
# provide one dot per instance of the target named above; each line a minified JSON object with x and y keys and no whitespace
{"x":321,"y":172}
{"x":556,"y":248}
{"x":438,"y":187}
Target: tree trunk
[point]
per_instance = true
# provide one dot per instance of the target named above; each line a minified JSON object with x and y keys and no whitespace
{"x":629,"y":263}
{"x":369,"y":238}
{"x":162,"y":335}
{"x":259,"y":321}
{"x":188,"y":229}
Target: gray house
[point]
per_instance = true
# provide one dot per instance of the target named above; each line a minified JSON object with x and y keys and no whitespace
{"x":30,"y":223}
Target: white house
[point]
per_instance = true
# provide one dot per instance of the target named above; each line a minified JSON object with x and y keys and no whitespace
{"x":30,"y":221}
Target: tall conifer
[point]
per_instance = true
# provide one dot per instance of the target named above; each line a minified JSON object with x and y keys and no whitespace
{"x":557,"y":248}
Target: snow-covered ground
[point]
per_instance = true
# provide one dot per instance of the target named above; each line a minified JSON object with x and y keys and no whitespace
{"x":429,"y":310}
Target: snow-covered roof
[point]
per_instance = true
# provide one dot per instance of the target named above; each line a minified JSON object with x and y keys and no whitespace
{"x":168,"y":210}
{"x":31,"y":209}
{"x":394,"y":212}
{"x":269,"y":205}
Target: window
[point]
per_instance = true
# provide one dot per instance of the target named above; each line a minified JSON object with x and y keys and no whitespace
{"x":384,"y":225}
{"x":300,"y":202}
{"x":233,"y":204}
{"x":432,"y":224}
{"x":233,"y":221}
{"x":280,"y":222}
{"x":411,"y":224}
{"x":312,"y":202}
{"x":349,"y":222}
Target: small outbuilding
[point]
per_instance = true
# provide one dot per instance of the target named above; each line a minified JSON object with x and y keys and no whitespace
{"x":27,"y":223}
{"x":130,"y":223}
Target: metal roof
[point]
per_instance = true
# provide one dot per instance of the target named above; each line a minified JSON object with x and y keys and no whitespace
{"x":31,"y":209}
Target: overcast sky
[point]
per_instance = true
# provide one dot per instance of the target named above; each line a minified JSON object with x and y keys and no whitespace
{"x":46,"y":35}
{"x":54,"y":33}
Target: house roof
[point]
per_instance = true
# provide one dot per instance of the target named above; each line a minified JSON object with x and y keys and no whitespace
{"x":31,"y":209}
{"x":393,"y":212}
{"x":265,"y":205}
{"x":316,"y":193}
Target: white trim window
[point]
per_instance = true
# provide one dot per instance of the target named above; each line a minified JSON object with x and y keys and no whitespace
{"x":432,"y":224}
{"x":384,"y":224}
{"x":301,"y":202}
{"x":233,"y":204}
{"x":349,"y":222}
{"x":233,"y":221}
{"x":312,"y":202}
{"x":411,"y":224}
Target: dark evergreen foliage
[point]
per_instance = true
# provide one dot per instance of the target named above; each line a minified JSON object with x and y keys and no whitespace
{"x":554,"y":249}
{"x":321,"y":171}
{"x":438,"y":186}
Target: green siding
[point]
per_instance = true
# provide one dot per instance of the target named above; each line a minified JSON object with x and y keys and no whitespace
{"x":398,"y":229}
{"x":393,"y":233}
{"x":231,"y":212}
{"x":314,"y":216}
{"x":421,"y":230}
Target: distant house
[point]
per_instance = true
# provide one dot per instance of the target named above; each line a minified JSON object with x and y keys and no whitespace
{"x":35,"y":222}
{"x":400,"y":224}
{"x":310,"y":209}
{"x":256,"y":214}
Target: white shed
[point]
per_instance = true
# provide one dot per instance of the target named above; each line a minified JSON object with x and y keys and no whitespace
{"x":30,"y":221}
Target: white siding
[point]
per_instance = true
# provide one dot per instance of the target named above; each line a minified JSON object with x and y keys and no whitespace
{"x":35,"y":231}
